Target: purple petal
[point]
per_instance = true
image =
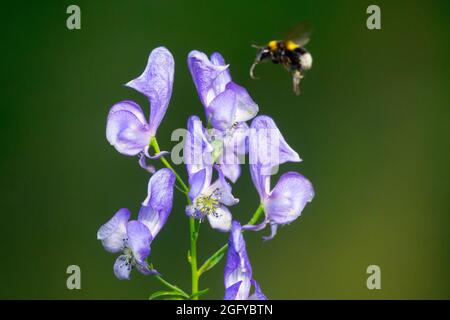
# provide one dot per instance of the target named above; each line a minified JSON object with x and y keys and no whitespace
{"x":287,"y":200}
{"x":126,"y":130}
{"x":238,"y":141}
{"x":113,"y":233}
{"x":222,"y":110}
{"x":132,"y":107}
{"x":273,"y":232}
{"x":156,"y":83}
{"x":144,"y":164}
{"x":156,"y":156}
{"x":258,"y":294}
{"x":122,"y":267}
{"x":257,"y":227}
{"x":234,"y":148}
{"x":157,"y":206}
{"x":206,"y":76}
{"x":197,"y":150}
{"x":139,"y":239}
{"x":232,"y":291}
{"x":267,"y":145}
{"x":267,"y":150}
{"x":143,"y":268}
{"x":222,"y":187}
{"x":260,"y":181}
{"x":198,"y":182}
{"x":221,"y":220}
{"x":223,"y":78}
{"x":246,"y":108}
{"x":231,"y":171}
{"x":238,"y":266}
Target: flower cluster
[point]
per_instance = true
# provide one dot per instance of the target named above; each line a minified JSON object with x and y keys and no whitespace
{"x":213,"y":154}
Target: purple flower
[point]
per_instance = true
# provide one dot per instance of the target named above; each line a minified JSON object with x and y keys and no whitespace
{"x":208,"y":199}
{"x":197,"y":150}
{"x":238,"y":271}
{"x":157,"y":206}
{"x":286,"y":201}
{"x":227,"y":106}
{"x":133,"y":238}
{"x":127,"y":128}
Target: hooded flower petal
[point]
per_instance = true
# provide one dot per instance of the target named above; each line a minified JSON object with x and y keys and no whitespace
{"x":157,"y":206}
{"x":222,"y":110}
{"x":197,"y":150}
{"x":206,"y":76}
{"x":224,"y":77}
{"x":221,"y":220}
{"x":113,"y":234}
{"x":287,"y":200}
{"x":132,"y":107}
{"x":246,"y":108}
{"x":122,"y":267}
{"x":267,"y":145}
{"x":225,"y":102}
{"x":139,"y":239}
{"x":156,"y":83}
{"x":238,"y":268}
{"x":126,"y":128}
{"x":267,"y":149}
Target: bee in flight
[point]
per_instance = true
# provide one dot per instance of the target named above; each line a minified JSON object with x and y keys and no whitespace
{"x":290,"y":53}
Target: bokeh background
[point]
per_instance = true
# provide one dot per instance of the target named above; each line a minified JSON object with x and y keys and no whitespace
{"x":372,"y":125}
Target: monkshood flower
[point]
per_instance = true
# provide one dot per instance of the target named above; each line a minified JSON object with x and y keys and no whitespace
{"x":133,"y":238}
{"x":127,"y":128}
{"x":238,"y":271}
{"x":207,"y":199}
{"x":286,"y":201}
{"x":227,"y":106}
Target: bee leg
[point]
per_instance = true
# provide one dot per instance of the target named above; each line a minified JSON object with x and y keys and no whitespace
{"x":296,"y":77}
{"x":251,"y":70}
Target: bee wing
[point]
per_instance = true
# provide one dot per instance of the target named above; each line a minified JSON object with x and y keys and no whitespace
{"x":300,"y":34}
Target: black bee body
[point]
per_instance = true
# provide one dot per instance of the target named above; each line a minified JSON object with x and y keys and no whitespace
{"x":290,"y":58}
{"x":291,"y":54}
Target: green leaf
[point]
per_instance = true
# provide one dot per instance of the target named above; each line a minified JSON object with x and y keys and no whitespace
{"x":158,"y":294}
{"x":213,"y":260}
{"x":199,"y":293}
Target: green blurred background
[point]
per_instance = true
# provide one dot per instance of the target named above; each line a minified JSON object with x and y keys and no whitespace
{"x":372,"y":125}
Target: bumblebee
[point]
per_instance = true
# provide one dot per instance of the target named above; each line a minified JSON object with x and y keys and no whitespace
{"x":290,"y":53}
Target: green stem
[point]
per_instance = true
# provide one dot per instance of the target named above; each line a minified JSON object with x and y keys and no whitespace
{"x":193,"y":257}
{"x":206,"y":265}
{"x":154,"y":144}
{"x":256,"y":215}
{"x":171,"y":286}
{"x":193,"y":230}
